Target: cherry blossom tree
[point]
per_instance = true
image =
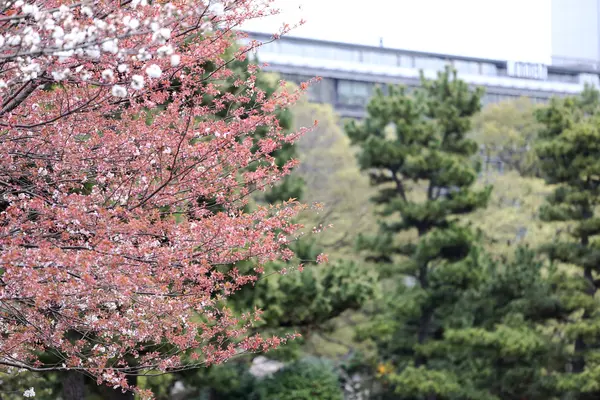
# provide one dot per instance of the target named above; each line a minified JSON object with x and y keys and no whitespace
{"x":109,"y":264}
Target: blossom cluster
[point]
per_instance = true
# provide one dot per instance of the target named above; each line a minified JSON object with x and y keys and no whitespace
{"x":121,"y":189}
{"x":103,"y":42}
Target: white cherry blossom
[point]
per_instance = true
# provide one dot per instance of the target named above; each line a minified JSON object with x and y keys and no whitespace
{"x":137,"y":82}
{"x":154,"y":71}
{"x":119,"y":91}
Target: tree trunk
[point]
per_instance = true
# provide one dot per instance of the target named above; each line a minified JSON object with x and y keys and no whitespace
{"x":581,"y":346}
{"x":73,"y":386}
{"x":109,"y":393}
{"x":117,"y":394}
{"x":426,"y":312}
{"x":424,"y":329}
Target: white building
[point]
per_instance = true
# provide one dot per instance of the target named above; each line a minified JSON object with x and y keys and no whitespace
{"x":350,"y":72}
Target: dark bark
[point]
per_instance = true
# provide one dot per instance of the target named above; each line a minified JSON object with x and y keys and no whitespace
{"x":12,"y":102}
{"x":581,"y":346}
{"x":109,"y":393}
{"x":426,"y":316}
{"x":73,"y":386}
{"x":399,"y":185}
{"x":117,"y":394}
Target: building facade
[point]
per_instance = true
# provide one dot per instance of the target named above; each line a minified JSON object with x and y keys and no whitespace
{"x":350,"y":72}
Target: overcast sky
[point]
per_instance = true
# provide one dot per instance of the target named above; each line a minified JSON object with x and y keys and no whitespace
{"x":503,"y":29}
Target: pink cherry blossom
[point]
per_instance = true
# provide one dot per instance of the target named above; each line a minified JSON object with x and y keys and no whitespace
{"x":104,"y":248}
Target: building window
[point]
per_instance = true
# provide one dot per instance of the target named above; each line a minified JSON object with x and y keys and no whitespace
{"x":314,"y":90}
{"x":467,"y":67}
{"x":506,"y":97}
{"x":436,"y":64}
{"x":314,"y":93}
{"x":379,"y":58}
{"x":272,"y":47}
{"x":489,"y":98}
{"x":382,"y":86}
{"x":492,"y":98}
{"x":489,"y":69}
{"x":290,"y":48}
{"x":353,"y":93}
{"x":589,"y":79}
{"x":349,"y":55}
{"x":322,"y":52}
{"x":562,"y":78}
{"x":407,"y":61}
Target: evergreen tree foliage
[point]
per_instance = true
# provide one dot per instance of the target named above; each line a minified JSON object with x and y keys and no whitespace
{"x":303,"y":379}
{"x":14,"y":383}
{"x":569,"y":152}
{"x":306,"y":300}
{"x":231,"y":381}
{"x":306,"y":379}
{"x":501,"y":343}
{"x":429,"y":149}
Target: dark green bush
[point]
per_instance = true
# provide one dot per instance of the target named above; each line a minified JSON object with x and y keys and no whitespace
{"x":306,"y":379}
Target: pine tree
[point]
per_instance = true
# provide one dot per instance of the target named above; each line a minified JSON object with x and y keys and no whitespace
{"x":425,"y":174}
{"x":501,"y":345}
{"x":306,"y":379}
{"x":569,"y":152}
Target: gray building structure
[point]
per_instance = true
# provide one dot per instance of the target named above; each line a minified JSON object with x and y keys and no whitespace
{"x":350,"y":72}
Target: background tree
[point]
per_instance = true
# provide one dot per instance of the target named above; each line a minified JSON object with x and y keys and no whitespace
{"x":512,"y":215}
{"x":501,"y":340}
{"x":506,"y":132}
{"x":569,"y":153}
{"x":306,"y":379}
{"x":429,"y":150}
{"x":333,"y":178}
{"x":15,"y":383}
